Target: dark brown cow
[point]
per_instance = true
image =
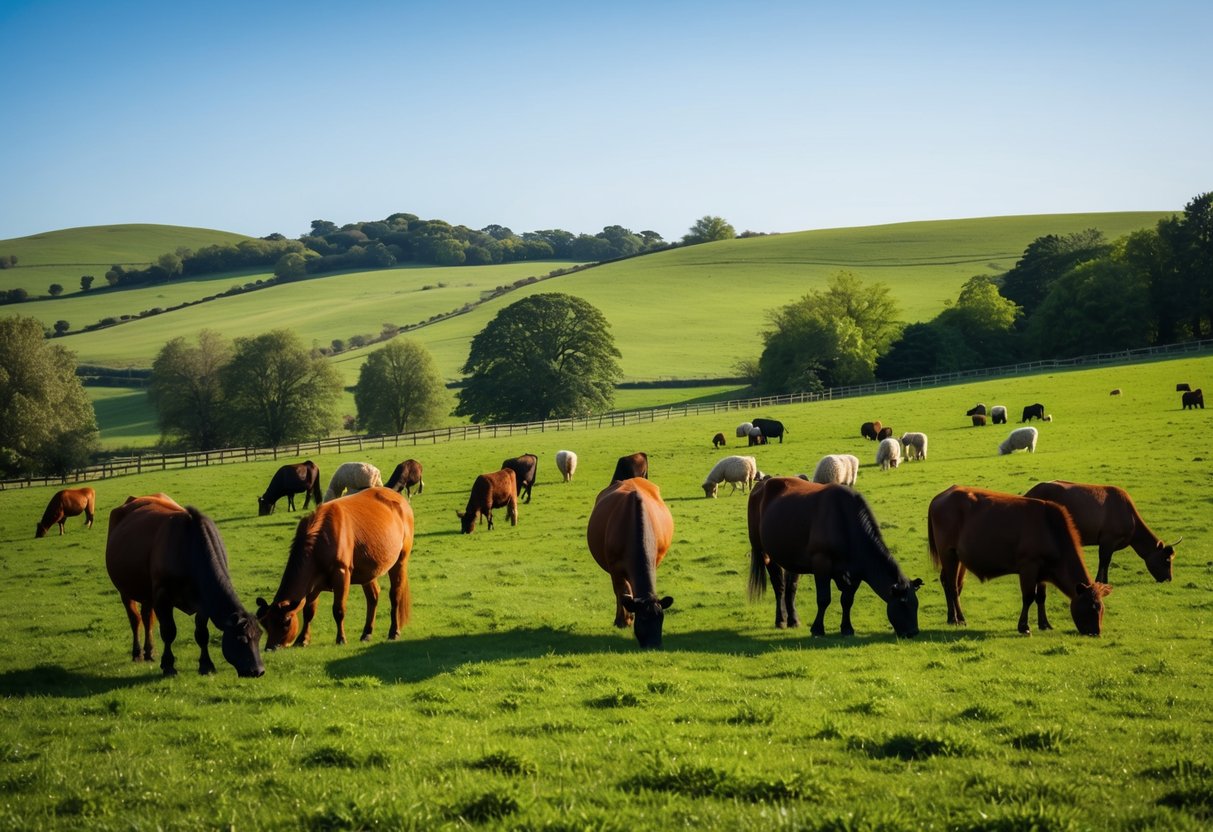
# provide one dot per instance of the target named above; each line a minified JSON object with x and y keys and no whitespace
{"x":1034,"y":411}
{"x":632,"y":465}
{"x":405,"y":477}
{"x":64,"y":504}
{"x":884,"y":433}
{"x":976,"y":410}
{"x":289,"y":480}
{"x":490,"y":491}
{"x":629,"y":533}
{"x":1194,"y":399}
{"x":979,"y":421}
{"x":992,"y":534}
{"x":798,"y":527}
{"x":870,"y":430}
{"x":1106,"y":517}
{"x":718,"y":441}
{"x":524,"y":468}
{"x":771,"y":429}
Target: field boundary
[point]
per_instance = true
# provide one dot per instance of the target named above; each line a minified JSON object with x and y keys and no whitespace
{"x":123,"y":466}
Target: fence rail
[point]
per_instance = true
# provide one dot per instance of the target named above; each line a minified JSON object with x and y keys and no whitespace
{"x":139,"y":464}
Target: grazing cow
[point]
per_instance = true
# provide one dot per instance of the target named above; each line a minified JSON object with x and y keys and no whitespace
{"x":976,"y":410}
{"x":1115,"y":392}
{"x":797,"y":527}
{"x":1034,"y":411}
{"x":1106,"y":517}
{"x":64,"y":504}
{"x":1194,"y":399}
{"x":992,"y":534}
{"x":490,"y":491}
{"x":718,"y":441}
{"x":405,"y":477}
{"x":352,"y":477}
{"x":756,"y":437}
{"x":885,"y":433}
{"x":771,"y":429}
{"x":870,"y":430}
{"x":1018,"y":440}
{"x":524,"y":467}
{"x":632,"y":465}
{"x":1182,"y":387}
{"x":566,"y":464}
{"x":998,"y":414}
{"x":743,"y":430}
{"x":289,"y":480}
{"x":343,"y":543}
{"x":629,"y":533}
{"x":979,"y":421}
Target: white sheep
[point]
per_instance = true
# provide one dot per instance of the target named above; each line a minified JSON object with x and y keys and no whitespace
{"x":352,"y":477}
{"x":736,"y":470}
{"x":888,"y":455}
{"x":839,"y":468}
{"x":998,"y":414}
{"x":1019,"y":439}
{"x":743,"y":430}
{"x":566,"y":464}
{"x":915,"y":445}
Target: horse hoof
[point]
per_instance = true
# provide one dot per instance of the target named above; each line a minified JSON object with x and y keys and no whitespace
{"x":206,"y":671}
{"x":781,"y":625}
{"x":365,"y":637}
{"x":849,"y":632}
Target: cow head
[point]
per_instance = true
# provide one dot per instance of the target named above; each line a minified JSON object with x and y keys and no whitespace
{"x":902,"y":607}
{"x":280,"y":622}
{"x":41,"y":530}
{"x":241,"y":637}
{"x":650,"y":614}
{"x":1087,"y":608}
{"x":264,"y":507}
{"x":467,"y":521}
{"x":1159,"y":561}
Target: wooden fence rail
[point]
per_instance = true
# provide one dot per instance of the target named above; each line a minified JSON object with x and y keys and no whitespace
{"x":121,"y":466}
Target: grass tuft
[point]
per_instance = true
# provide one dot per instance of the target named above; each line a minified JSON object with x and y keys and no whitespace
{"x":911,"y":747}
{"x":1196,"y":799}
{"x":749,"y":715}
{"x":980,"y":713}
{"x":618,"y":699}
{"x":486,"y":807}
{"x":503,"y":762}
{"x":328,"y":756}
{"x":1042,"y":739}
{"x":705,"y":781}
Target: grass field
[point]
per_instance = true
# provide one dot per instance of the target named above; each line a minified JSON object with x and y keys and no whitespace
{"x":511,"y":702}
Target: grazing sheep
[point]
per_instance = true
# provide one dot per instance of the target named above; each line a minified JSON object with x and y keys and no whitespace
{"x":998,"y":414}
{"x":839,"y":468}
{"x":1018,"y":440}
{"x":352,"y":477}
{"x":735,"y":470}
{"x":979,"y":421}
{"x":718,"y":441}
{"x":870,"y":430}
{"x":743,"y":430}
{"x":756,"y":437}
{"x":566,"y":464}
{"x":1115,"y":392}
{"x":915,"y":445}
{"x":976,"y":410}
{"x":888,"y":455}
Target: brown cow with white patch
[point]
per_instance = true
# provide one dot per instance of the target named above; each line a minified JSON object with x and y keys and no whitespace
{"x":490,"y":491}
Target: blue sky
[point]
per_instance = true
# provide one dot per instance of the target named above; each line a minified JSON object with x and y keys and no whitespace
{"x":259,"y":117}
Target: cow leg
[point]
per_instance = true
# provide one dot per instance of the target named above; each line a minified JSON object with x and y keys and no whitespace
{"x":621,"y":586}
{"x":341,"y":595}
{"x":1027,"y":591}
{"x":951,"y":577}
{"x":784,"y":583}
{"x":62,"y":523}
{"x":823,"y":601}
{"x":202,"y":638}
{"x":371,"y":591}
{"x":1105,"y":560}
{"x":489,"y":515}
{"x":511,"y":511}
{"x":1042,"y":620}
{"x":132,"y":616}
{"x":309,"y":612}
{"x":148,"y":614}
{"x":846,"y":593}
{"x":290,"y":502}
{"x":168,"y":634}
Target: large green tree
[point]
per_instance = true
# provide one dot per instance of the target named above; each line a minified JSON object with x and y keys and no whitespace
{"x":187,"y":391}
{"x":545,"y":356}
{"x":399,"y":387}
{"x":278,"y":391}
{"x":1099,"y":306}
{"x":1045,"y":260}
{"x":707,"y":230}
{"x":47,"y":423}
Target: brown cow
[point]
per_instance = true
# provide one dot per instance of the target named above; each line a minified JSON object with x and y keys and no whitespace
{"x":992,"y":534}
{"x":884,"y":433}
{"x":870,"y":430}
{"x":405,"y":477}
{"x":629,"y":533}
{"x":289,"y":480}
{"x":349,"y":541}
{"x":1194,"y":399}
{"x":718,"y":441}
{"x":798,"y":527}
{"x":64,"y":504}
{"x":524,"y":468}
{"x":1106,"y":517}
{"x":632,"y":465}
{"x":979,"y":421}
{"x":490,"y":491}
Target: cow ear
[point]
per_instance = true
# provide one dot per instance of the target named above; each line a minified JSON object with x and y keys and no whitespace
{"x":916,"y":583}
{"x":1102,"y":590}
{"x":262,"y":606}
{"x":629,"y":603}
{"x":667,"y":602}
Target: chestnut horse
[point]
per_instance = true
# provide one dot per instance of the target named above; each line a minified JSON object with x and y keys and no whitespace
{"x":67,"y":503}
{"x":353,"y":540}
{"x":629,"y":533}
{"x":160,"y":556}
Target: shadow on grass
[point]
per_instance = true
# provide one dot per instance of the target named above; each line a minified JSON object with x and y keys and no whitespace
{"x":52,"y":680}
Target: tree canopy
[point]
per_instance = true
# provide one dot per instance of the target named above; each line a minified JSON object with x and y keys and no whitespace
{"x":187,"y":391}
{"x":708,"y":229}
{"x":546,"y":356}
{"x":47,"y":423}
{"x":399,"y":388}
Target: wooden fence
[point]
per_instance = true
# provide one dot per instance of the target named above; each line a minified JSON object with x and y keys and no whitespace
{"x":121,"y":466}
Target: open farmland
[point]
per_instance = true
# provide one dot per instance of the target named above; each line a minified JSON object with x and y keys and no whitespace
{"x":510,"y":702}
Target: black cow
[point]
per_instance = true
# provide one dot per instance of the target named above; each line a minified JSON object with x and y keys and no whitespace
{"x":771,"y":429}
{"x":524,"y":467}
{"x":1034,"y":411}
{"x":1194,"y":399}
{"x":1182,"y":388}
{"x":976,"y":410}
{"x":289,"y":480}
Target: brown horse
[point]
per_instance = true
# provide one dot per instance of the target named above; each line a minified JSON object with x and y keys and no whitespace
{"x":353,"y":540}
{"x":629,"y":533}
{"x":161,"y":556}
{"x":67,"y":503}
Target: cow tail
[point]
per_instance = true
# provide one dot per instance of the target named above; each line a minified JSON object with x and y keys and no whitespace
{"x":758,"y":574}
{"x":935,"y":559}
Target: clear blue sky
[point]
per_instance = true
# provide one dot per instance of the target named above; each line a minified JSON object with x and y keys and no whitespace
{"x":259,"y":117}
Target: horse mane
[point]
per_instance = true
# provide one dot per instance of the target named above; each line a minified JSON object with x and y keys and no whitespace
{"x":864,"y":524}
{"x":208,"y":568}
{"x":645,"y":553}
{"x":1061,"y":524}
{"x":306,"y":531}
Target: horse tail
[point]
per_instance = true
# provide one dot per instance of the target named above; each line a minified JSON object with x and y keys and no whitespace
{"x":315,"y":487}
{"x":90,"y":507}
{"x":934,"y":550}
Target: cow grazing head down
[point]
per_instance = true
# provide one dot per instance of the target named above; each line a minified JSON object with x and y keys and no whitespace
{"x":241,"y":637}
{"x":279,"y":621}
{"x":1087,"y":608}
{"x":650,"y":615}
{"x":1158,"y":562}
{"x":902,"y":608}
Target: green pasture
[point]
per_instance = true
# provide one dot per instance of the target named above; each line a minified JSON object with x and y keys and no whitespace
{"x":63,"y":256}
{"x":512,"y":703}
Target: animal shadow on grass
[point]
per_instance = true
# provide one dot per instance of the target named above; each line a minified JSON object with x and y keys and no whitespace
{"x":52,"y":680}
{"x":418,"y":661}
